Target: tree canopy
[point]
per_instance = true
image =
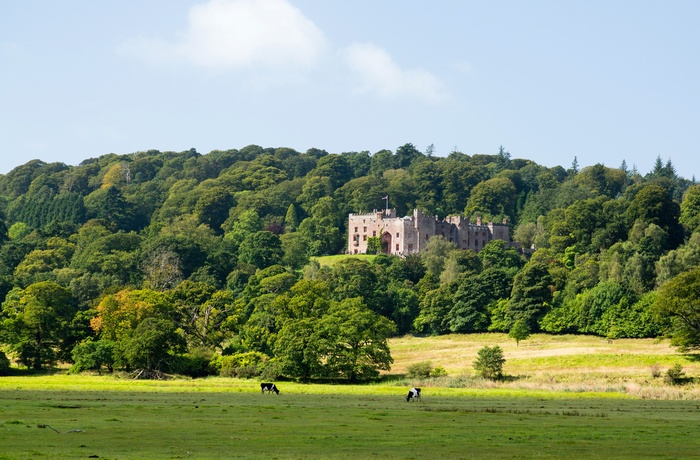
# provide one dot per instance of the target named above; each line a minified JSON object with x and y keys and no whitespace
{"x":164,"y":260}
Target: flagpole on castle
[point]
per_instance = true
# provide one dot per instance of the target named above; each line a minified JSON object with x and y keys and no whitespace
{"x":386,"y":198}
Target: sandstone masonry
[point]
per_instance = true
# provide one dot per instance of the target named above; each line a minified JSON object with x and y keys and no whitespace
{"x":409,"y":235}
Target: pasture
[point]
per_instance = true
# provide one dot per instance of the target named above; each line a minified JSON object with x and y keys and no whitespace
{"x":105,"y":417}
{"x":564,"y":396}
{"x":571,"y":363}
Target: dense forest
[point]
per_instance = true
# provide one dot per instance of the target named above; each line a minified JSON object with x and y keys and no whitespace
{"x":197,"y":264}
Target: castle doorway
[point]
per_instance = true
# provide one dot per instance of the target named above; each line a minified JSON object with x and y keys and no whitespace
{"x":386,"y":243}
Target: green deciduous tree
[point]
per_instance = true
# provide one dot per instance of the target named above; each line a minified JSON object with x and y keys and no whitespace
{"x":261,"y":249}
{"x":690,"y":209}
{"x":35,"y":322}
{"x":152,"y":344}
{"x":354,"y":341}
{"x":519,"y":331}
{"x":212,"y":208}
{"x":93,"y":355}
{"x":474,"y":295}
{"x":679,"y":300}
{"x":493,"y":197}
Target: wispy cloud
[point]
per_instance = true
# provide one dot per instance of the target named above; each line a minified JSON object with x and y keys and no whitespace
{"x":381,"y":75}
{"x":226,"y":34}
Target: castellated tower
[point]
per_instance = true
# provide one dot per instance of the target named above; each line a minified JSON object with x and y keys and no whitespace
{"x":408,"y":235}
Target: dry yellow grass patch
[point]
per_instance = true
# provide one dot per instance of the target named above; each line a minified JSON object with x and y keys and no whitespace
{"x":557,"y":362}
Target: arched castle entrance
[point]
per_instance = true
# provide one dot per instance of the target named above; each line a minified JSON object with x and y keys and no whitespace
{"x":386,"y":243}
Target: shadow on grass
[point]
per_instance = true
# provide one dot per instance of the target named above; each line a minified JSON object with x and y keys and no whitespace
{"x":511,"y":378}
{"x":18,"y":372}
{"x":692,"y":357}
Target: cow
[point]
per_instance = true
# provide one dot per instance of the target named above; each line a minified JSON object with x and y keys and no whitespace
{"x":269,"y":387}
{"x":413,"y":393}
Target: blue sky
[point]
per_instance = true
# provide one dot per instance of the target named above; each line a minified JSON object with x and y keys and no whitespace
{"x":549,"y":80}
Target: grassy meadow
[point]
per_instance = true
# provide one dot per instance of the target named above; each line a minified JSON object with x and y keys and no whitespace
{"x":564,"y":396}
{"x":330,"y":261}
{"x":571,"y":363}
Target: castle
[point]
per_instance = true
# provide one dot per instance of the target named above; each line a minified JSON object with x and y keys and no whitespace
{"x":409,"y":235}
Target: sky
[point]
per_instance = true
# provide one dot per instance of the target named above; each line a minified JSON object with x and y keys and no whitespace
{"x":550,"y":81}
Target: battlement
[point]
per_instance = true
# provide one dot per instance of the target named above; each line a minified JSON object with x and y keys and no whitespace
{"x":410,"y":234}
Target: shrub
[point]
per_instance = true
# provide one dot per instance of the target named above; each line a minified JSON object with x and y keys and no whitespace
{"x":439,"y":371}
{"x":4,"y":364}
{"x":419,"y":370}
{"x":194,"y":364}
{"x":655,"y":370}
{"x":243,"y":365}
{"x":270,"y":370}
{"x":489,"y":362}
{"x":674,"y":374}
{"x":92,"y":355}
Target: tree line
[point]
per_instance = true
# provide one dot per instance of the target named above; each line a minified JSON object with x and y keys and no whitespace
{"x":205,"y":263}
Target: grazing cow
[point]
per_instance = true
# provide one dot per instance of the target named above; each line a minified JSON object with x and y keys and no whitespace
{"x":269,"y":387}
{"x":413,"y":393}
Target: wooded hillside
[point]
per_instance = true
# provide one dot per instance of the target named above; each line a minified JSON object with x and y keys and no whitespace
{"x":192,"y":263}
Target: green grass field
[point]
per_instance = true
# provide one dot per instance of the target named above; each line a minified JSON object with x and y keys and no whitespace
{"x":102,"y":417}
{"x":565,"y":396}
{"x":330,"y":261}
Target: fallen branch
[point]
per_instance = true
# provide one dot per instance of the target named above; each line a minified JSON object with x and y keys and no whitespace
{"x":42,"y":425}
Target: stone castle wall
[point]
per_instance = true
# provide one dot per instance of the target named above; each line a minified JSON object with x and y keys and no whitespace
{"x":409,"y":235}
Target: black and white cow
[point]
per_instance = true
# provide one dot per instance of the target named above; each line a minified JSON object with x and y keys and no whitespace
{"x":269,"y":387}
{"x":413,"y":393}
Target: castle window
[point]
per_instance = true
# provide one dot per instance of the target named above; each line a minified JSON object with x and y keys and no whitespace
{"x":364,"y":229}
{"x":364,"y":237}
{"x":355,"y":229}
{"x":410,"y":247}
{"x":397,"y":234}
{"x":427,"y":236}
{"x":397,"y":247}
{"x":374,"y":233}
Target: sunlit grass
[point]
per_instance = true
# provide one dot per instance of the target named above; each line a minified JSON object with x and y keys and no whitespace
{"x":65,"y":416}
{"x":568,"y":363}
{"x":330,"y":261}
{"x":562,"y":396}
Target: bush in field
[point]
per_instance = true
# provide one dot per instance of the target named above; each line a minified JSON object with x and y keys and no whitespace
{"x":93,"y":355}
{"x":270,"y":370}
{"x":195,"y":364}
{"x":489,"y":362}
{"x":655,"y":370}
{"x":419,"y":370}
{"x":4,"y":364}
{"x":674,"y":374}
{"x":439,"y":371}
{"x":243,"y":365}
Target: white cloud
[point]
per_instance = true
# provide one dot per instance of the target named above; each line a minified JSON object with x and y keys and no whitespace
{"x":224,"y":34}
{"x":380,"y":74}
